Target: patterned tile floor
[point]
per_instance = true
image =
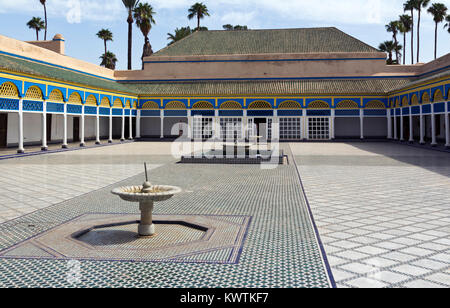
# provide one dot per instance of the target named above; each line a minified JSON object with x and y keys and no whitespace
{"x":383,"y":212}
{"x":280,"y":247}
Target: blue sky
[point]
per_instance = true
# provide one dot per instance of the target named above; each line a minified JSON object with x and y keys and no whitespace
{"x":80,"y":20}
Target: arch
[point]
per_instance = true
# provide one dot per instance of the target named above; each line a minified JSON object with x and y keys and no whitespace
{"x":34,"y":93}
{"x":425,"y":98}
{"x":56,"y":96}
{"x":117,"y":103}
{"x":318,"y":105}
{"x":75,"y":99}
{"x":175,"y":105}
{"x":405,"y":101}
{"x":260,"y":105}
{"x":290,"y":105}
{"x":375,"y":105}
{"x":9,"y":89}
{"x":91,"y":101}
{"x":230,"y":105}
{"x":150,"y":106}
{"x":414,"y":100}
{"x":203,"y":105}
{"x":105,"y":102}
{"x":397,"y":103}
{"x":347,"y":104}
{"x":128,"y":104}
{"x":438,"y":97}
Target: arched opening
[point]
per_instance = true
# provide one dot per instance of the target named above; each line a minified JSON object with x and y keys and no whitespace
{"x":150,"y":106}
{"x":289,"y":105}
{"x":75,"y":99}
{"x":175,"y":105}
{"x":347,"y":104}
{"x":318,"y":105}
{"x":117,"y":103}
{"x":230,"y":105}
{"x":105,"y":102}
{"x":56,"y":96}
{"x":91,"y":101}
{"x":438,"y":97}
{"x":203,"y":106}
{"x":375,"y":105}
{"x":260,"y":105}
{"x":425,"y":98}
{"x":34,"y":93}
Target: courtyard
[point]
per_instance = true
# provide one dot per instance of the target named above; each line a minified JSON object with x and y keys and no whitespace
{"x":337,"y":215}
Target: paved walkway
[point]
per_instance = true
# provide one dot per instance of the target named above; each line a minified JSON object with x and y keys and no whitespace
{"x":383,"y":211}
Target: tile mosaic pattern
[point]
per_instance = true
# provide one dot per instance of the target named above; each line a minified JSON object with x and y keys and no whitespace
{"x":201,"y":239}
{"x":280,"y":249}
{"x":383,"y":212}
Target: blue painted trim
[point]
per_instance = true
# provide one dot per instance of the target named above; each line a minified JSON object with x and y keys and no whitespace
{"x":9,"y":104}
{"x":175,"y":113}
{"x":104,"y":111}
{"x":90,"y":110}
{"x":231,"y":113}
{"x":260,"y":113}
{"x":117,"y":112}
{"x":415,"y":110}
{"x":426,"y":109}
{"x":439,"y":107}
{"x":320,"y":113}
{"x":150,"y":113}
{"x":375,"y":112}
{"x":30,"y":105}
{"x":76,"y":109}
{"x":273,"y":60}
{"x":55,"y":107}
{"x":290,"y":113}
{"x":205,"y":113}
{"x":346,"y":112}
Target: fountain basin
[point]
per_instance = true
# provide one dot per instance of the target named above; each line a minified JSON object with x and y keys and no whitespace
{"x":146,"y":195}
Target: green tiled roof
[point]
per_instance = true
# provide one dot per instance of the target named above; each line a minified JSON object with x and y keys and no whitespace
{"x":275,"y":87}
{"x":417,"y":81}
{"x":41,"y":70}
{"x":307,"y":40}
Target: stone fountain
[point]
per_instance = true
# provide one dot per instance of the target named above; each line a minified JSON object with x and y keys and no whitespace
{"x":146,"y":195}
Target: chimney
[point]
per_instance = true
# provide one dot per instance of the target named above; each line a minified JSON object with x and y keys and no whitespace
{"x":56,"y":45}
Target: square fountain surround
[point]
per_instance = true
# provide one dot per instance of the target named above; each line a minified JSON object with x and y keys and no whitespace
{"x":180,"y":238}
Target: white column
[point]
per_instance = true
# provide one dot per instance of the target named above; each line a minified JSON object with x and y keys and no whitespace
{"x":82,"y":143}
{"x":110,"y":127}
{"x":97,"y":127}
{"x":190,"y":125}
{"x":244,"y":124}
{"x":65,"y":145}
{"x":433,"y":127}
{"x":131,"y":125}
{"x":216,"y":125}
{"x":411,"y":128}
{"x":20,"y":148}
{"x":447,"y":128}
{"x":422,"y":127}
{"x":361,"y":120}
{"x":44,"y":146}
{"x":402,"y":135}
{"x":389,"y":124}
{"x":333,"y":117}
{"x":304,"y":126}
{"x":395,"y":126}
{"x":138,"y":124}
{"x":122,"y":138}
{"x":161,"y":136}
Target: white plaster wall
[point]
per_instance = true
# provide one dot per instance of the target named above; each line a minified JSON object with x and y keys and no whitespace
{"x":150,"y":127}
{"x":375,"y":127}
{"x":32,"y":129}
{"x":169,"y":123}
{"x":347,"y":127}
{"x":104,"y":127}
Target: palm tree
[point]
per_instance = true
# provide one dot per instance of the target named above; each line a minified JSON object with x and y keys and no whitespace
{"x":130,"y":5}
{"x":398,"y":50}
{"x":45,"y":14}
{"x":393,"y":27}
{"x":439,"y":12}
{"x":109,"y":60}
{"x":406,"y":24}
{"x":388,"y":47}
{"x":198,"y":10}
{"x":37,"y":24}
{"x":419,"y":5}
{"x":447,"y":25}
{"x":410,"y":5}
{"x":229,"y":27}
{"x":106,"y":36}
{"x":180,"y":34}
{"x":143,"y":14}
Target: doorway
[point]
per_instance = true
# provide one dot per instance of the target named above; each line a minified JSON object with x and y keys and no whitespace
{"x":49,"y":127}
{"x":3,"y":129}
{"x":76,"y":129}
